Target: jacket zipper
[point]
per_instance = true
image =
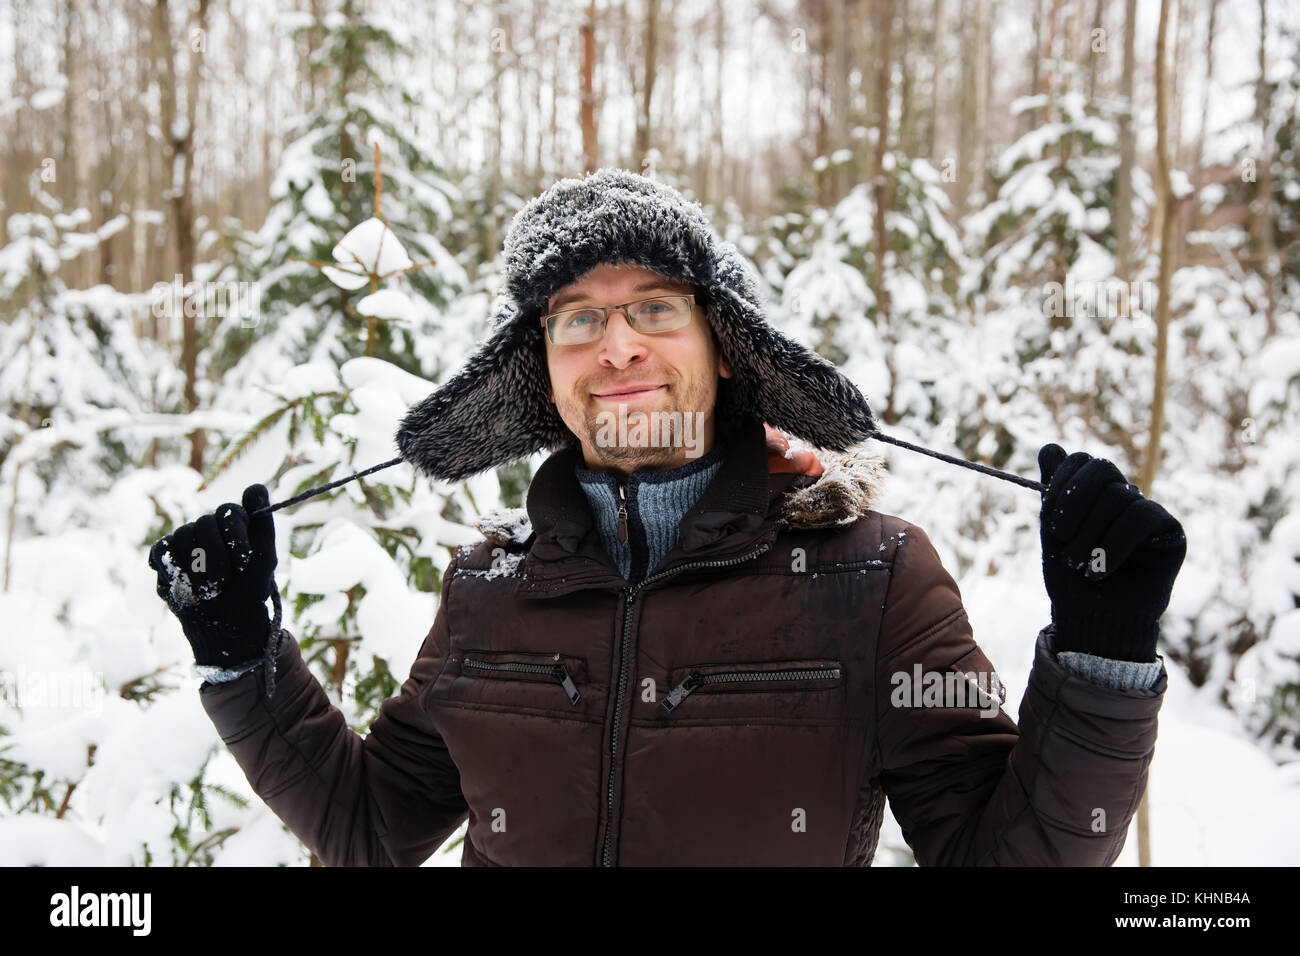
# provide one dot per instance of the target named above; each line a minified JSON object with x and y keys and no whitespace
{"x":695,"y":680}
{"x":558,"y":671}
{"x":622,"y":680}
{"x":622,"y":515}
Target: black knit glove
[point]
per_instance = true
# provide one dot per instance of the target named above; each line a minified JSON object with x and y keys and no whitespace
{"x":215,"y":575}
{"x":1110,"y":557}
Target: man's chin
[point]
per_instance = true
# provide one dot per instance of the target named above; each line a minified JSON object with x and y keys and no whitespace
{"x":632,"y":459}
{"x":631,"y":438}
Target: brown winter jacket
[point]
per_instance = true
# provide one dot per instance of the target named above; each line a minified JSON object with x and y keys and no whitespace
{"x":738,"y":706}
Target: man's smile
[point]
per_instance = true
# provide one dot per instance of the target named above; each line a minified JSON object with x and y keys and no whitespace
{"x":629,"y":392}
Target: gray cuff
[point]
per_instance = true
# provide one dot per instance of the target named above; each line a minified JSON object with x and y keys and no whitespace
{"x":1121,"y":675}
{"x":221,"y":675}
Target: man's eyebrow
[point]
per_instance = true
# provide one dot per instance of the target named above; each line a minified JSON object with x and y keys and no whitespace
{"x":643,"y":286}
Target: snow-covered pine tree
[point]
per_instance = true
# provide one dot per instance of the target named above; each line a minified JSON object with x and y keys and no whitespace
{"x":322,"y":189}
{"x":142,"y":778}
{"x":82,"y":377}
{"x":1238,"y":397}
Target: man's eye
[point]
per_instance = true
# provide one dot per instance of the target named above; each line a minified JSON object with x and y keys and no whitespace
{"x":581,"y":318}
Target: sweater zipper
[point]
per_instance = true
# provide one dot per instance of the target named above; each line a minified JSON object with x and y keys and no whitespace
{"x":696,"y":680}
{"x":622,"y":679}
{"x":558,"y":671}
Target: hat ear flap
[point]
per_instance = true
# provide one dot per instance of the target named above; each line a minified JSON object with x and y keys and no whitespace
{"x":775,"y":379}
{"x":490,"y":413}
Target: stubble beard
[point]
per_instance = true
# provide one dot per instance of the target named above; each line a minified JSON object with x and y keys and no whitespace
{"x":595,"y":428}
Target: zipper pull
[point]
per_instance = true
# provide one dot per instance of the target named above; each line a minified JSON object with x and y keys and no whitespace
{"x":622,"y":515}
{"x":567,"y":683}
{"x":678,"y":693}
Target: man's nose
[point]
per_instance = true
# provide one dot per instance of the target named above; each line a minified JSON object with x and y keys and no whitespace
{"x":622,"y":343}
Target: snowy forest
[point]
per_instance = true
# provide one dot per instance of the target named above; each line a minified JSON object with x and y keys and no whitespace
{"x":1009,"y":222}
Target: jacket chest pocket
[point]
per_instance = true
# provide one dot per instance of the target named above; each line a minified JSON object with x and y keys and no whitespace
{"x":794,"y":690}
{"x":514,"y":677}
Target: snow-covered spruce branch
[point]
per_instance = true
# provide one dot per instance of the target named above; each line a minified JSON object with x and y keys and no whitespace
{"x":245,"y":441}
{"x":35,"y":442}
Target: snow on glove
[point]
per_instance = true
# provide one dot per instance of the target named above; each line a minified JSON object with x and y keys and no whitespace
{"x":1110,"y":557}
{"x":215,"y":575}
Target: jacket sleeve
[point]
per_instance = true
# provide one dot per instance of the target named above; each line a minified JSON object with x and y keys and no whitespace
{"x":390,"y":798}
{"x":969,"y":787}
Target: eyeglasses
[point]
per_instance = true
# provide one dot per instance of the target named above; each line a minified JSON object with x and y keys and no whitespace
{"x":661,"y":313}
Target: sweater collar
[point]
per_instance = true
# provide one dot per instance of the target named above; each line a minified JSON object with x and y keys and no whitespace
{"x":600,"y":476}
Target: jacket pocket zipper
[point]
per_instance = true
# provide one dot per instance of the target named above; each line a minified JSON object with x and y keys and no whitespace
{"x":557,"y":671}
{"x":695,"y":680}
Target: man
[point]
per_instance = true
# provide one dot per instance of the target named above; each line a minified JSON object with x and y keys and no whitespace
{"x":674,"y":657}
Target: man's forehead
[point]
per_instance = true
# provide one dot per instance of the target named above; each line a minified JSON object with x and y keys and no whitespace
{"x":626,"y":276}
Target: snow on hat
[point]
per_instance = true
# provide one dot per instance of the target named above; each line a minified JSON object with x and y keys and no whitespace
{"x":496,"y":409}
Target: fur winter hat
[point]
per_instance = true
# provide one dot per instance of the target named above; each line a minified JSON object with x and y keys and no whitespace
{"x":496,"y":409}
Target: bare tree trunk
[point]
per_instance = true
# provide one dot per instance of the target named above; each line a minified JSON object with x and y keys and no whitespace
{"x":501,"y":21}
{"x":716,"y":189}
{"x":1199,"y":158}
{"x":558,"y":76}
{"x":590,"y":158}
{"x":837,"y":50}
{"x":934,"y":136}
{"x":1029,"y":118}
{"x":1094,"y":59}
{"x":1169,"y":219}
{"x":989,"y":11}
{"x":69,"y":174}
{"x":823,"y":131}
{"x":178,"y":133}
{"x":880,"y":188}
{"x":746,"y":186}
{"x":668,"y":99}
{"x":1177,"y":90}
{"x":1127,"y":151}
{"x":1262,"y":207}
{"x":649,"y":45}
{"x":111,"y":174}
{"x":907,"y":119}
{"x":20,"y":154}
{"x":539,"y":18}
{"x":1051,"y":53}
{"x":973,"y":116}
{"x":157,"y":261}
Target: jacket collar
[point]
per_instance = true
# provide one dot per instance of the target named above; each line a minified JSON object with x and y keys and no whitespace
{"x":740,"y":511}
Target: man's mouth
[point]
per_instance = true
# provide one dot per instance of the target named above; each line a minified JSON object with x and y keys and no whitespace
{"x":630,"y":391}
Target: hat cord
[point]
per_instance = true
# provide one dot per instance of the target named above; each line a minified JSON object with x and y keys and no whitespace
{"x":983,"y":469}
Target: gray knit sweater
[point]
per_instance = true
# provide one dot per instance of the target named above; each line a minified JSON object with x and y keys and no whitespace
{"x":653,"y":504}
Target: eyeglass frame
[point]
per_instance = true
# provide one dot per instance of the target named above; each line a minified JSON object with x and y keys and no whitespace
{"x":607,"y":309}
